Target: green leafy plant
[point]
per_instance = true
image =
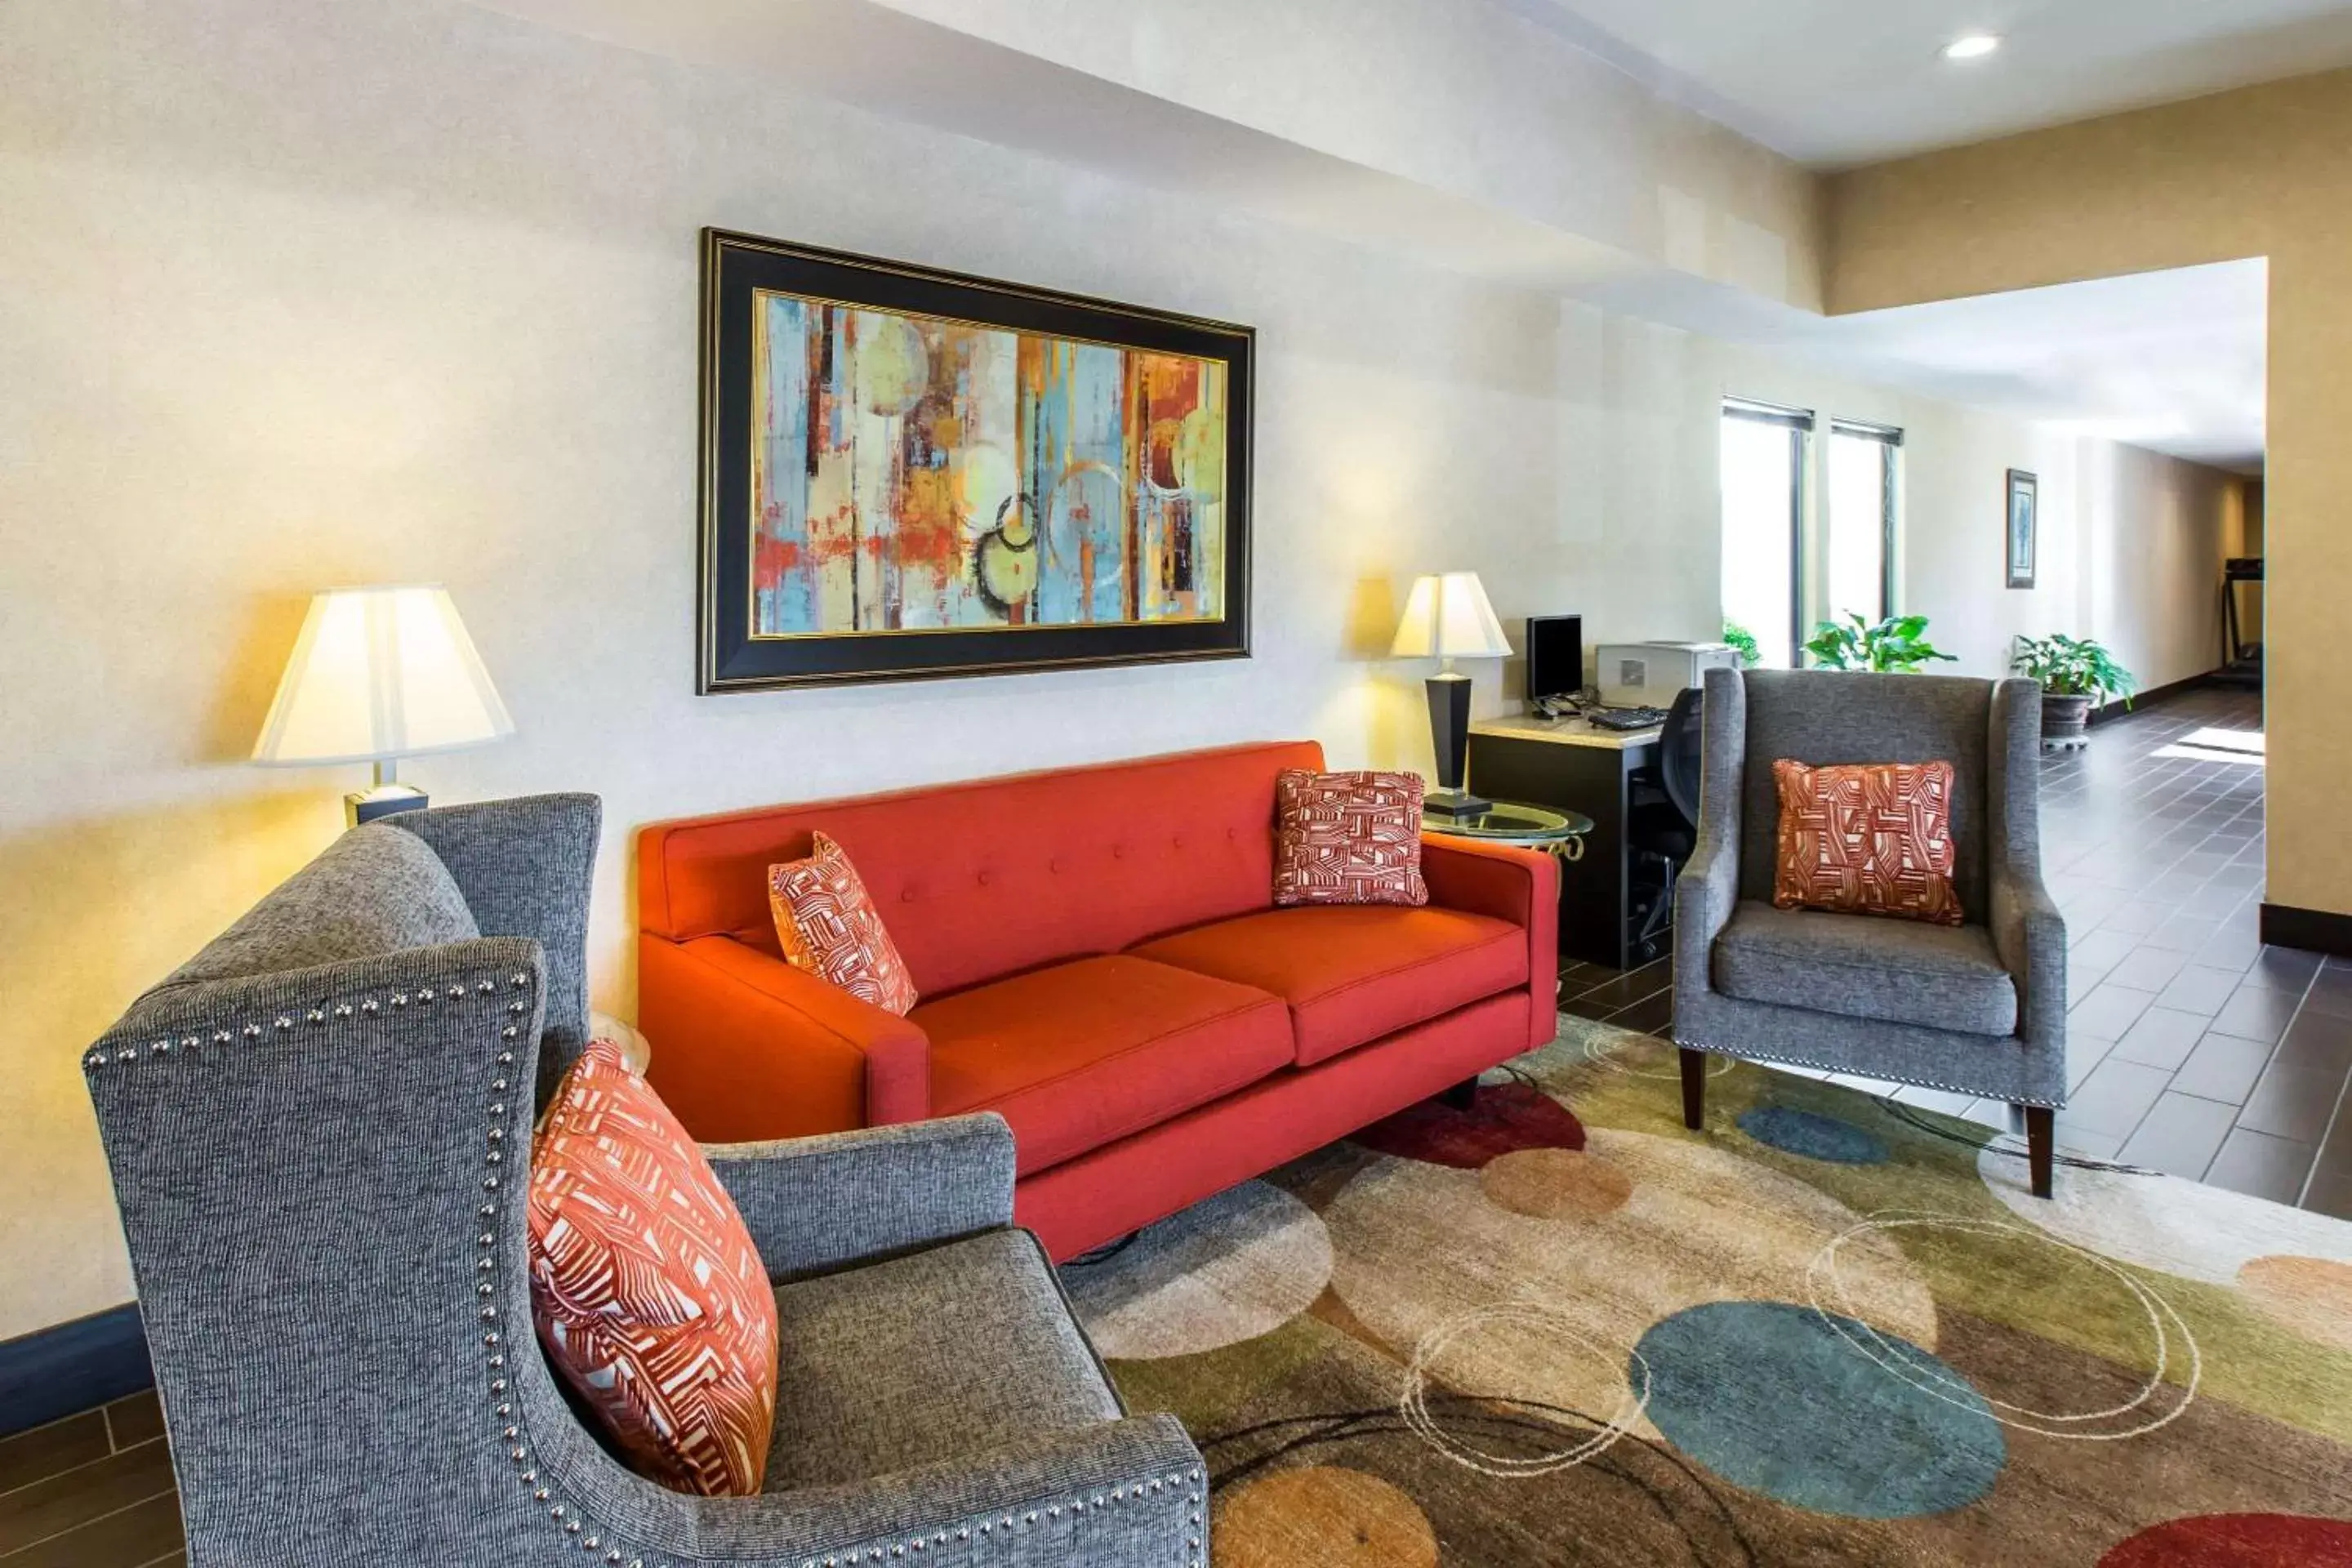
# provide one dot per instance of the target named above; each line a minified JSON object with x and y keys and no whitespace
{"x":1899,"y":644}
{"x":2074,"y":666}
{"x":1741,"y":638}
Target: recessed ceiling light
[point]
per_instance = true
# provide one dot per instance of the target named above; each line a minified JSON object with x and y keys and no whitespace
{"x":1973,"y":47}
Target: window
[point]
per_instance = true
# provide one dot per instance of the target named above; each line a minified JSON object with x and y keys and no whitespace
{"x":1859,"y":550}
{"x":1764,"y":452}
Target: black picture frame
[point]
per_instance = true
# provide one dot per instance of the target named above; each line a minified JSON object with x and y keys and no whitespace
{"x":2022,"y":527}
{"x":737,"y":270}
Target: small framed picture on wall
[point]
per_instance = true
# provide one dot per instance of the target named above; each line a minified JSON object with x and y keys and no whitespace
{"x":2024,"y":522}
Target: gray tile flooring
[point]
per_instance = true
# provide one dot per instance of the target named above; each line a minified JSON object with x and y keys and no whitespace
{"x":2193,"y":1048}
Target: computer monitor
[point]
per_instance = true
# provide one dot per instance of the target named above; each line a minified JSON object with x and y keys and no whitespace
{"x":1555,"y":656}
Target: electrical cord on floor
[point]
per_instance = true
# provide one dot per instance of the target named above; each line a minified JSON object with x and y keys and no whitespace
{"x":1910,"y":1118}
{"x":1105,"y":1253}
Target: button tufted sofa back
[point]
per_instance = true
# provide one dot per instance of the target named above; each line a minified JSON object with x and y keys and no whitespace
{"x":979,"y":880}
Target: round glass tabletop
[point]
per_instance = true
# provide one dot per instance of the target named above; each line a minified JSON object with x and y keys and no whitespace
{"x":1511,"y":824}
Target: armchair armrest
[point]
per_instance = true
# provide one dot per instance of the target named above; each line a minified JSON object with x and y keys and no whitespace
{"x":814,"y":1203}
{"x":1704,"y":895}
{"x":746,"y":1047}
{"x":1106,"y":1496}
{"x":1708,"y":888}
{"x":2028,"y":935}
{"x":1521,"y":886}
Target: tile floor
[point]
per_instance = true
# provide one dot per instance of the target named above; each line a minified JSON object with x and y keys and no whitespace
{"x":2193,"y":1048}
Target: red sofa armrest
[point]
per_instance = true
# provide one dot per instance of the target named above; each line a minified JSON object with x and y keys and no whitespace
{"x":746,"y":1048}
{"x":1521,"y":886}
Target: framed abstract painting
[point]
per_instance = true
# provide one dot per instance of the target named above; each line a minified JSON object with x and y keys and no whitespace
{"x":912,"y":473}
{"x":2024,"y":527}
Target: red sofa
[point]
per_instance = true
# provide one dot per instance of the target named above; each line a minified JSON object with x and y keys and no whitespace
{"x":1100,"y":960}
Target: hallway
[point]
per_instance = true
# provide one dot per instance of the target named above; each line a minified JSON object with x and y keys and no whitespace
{"x":2194,"y":1049}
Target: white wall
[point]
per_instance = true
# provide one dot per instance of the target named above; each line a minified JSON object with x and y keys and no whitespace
{"x":2131,"y":541}
{"x":2153,"y":578}
{"x":1462,"y":96}
{"x":339,"y":293}
{"x":296,"y":294}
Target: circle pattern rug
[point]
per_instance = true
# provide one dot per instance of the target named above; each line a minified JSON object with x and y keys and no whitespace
{"x":1558,"y":1327}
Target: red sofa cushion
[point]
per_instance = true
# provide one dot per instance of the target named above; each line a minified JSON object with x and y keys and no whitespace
{"x":1355,"y":973}
{"x":1082,"y":1054}
{"x":978,"y":881}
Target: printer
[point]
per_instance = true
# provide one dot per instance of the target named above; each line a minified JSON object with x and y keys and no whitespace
{"x":1649,"y":674}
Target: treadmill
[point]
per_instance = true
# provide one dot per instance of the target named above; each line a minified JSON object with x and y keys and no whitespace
{"x":2241,"y":661}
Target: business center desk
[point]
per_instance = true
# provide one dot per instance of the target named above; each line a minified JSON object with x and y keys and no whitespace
{"x":1567,"y":762}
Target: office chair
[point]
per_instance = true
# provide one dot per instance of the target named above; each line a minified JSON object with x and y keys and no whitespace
{"x":1663,"y":830}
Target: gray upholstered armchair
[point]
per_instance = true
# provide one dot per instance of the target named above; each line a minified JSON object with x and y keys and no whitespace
{"x":1980,"y":1008}
{"x":318,"y":1130}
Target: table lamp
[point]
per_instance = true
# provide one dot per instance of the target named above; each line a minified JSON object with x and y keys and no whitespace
{"x":1448,"y":616}
{"x":379,"y":674}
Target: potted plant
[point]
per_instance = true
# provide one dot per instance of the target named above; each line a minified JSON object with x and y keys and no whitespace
{"x":1743,"y":642}
{"x":2074,"y":673}
{"x":1899,"y":644}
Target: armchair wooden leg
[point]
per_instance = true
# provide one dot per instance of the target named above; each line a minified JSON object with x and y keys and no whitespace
{"x":2042,"y":1146}
{"x":1694,"y":1088}
{"x":1462,"y":1095}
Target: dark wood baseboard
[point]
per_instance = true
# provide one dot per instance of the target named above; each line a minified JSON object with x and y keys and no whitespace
{"x":75,"y":1366}
{"x":2313,"y":930}
{"x":2108,"y":712}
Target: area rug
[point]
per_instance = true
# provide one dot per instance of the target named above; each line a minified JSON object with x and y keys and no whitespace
{"x":1561,"y":1328}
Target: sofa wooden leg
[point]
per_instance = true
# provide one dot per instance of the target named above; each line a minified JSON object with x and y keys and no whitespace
{"x":1694,"y":1088}
{"x":2042,"y":1146}
{"x":1462,"y":1095}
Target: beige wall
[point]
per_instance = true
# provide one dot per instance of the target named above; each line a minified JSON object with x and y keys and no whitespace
{"x":2266,"y":171}
{"x":336,"y":292}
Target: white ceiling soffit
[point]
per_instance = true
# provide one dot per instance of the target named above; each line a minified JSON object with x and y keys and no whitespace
{"x":1834,"y":83}
{"x":2171,"y":360}
{"x":2175,"y":362}
{"x":905,"y":68}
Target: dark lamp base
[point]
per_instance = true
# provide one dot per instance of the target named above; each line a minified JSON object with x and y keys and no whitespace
{"x":1452,"y":803}
{"x":364,"y":807}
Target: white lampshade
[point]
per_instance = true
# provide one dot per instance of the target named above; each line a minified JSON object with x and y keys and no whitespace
{"x":1448,"y":618}
{"x":381,"y":672}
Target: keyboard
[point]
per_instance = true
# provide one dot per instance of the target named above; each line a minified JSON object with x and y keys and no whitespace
{"x":1625,"y":718}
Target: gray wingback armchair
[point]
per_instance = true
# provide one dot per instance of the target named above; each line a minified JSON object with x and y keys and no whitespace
{"x":1980,"y":1008}
{"x":318,"y":1130}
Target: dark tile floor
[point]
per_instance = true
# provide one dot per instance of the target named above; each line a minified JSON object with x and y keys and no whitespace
{"x":2195,"y":1051}
{"x":2193,"y":1048}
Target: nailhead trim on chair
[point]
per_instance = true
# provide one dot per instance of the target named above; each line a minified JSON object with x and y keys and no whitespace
{"x":1745,"y":1054}
{"x":508,"y":1423}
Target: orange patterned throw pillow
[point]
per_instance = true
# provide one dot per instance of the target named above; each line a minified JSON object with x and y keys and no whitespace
{"x":1348,"y":839}
{"x":1867,"y":838}
{"x":828,"y":926}
{"x":649,"y":1295}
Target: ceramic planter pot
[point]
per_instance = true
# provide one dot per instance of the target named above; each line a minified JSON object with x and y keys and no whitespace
{"x":2065,"y":719}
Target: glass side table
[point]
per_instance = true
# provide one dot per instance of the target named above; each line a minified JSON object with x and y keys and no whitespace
{"x":1528,"y":826}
